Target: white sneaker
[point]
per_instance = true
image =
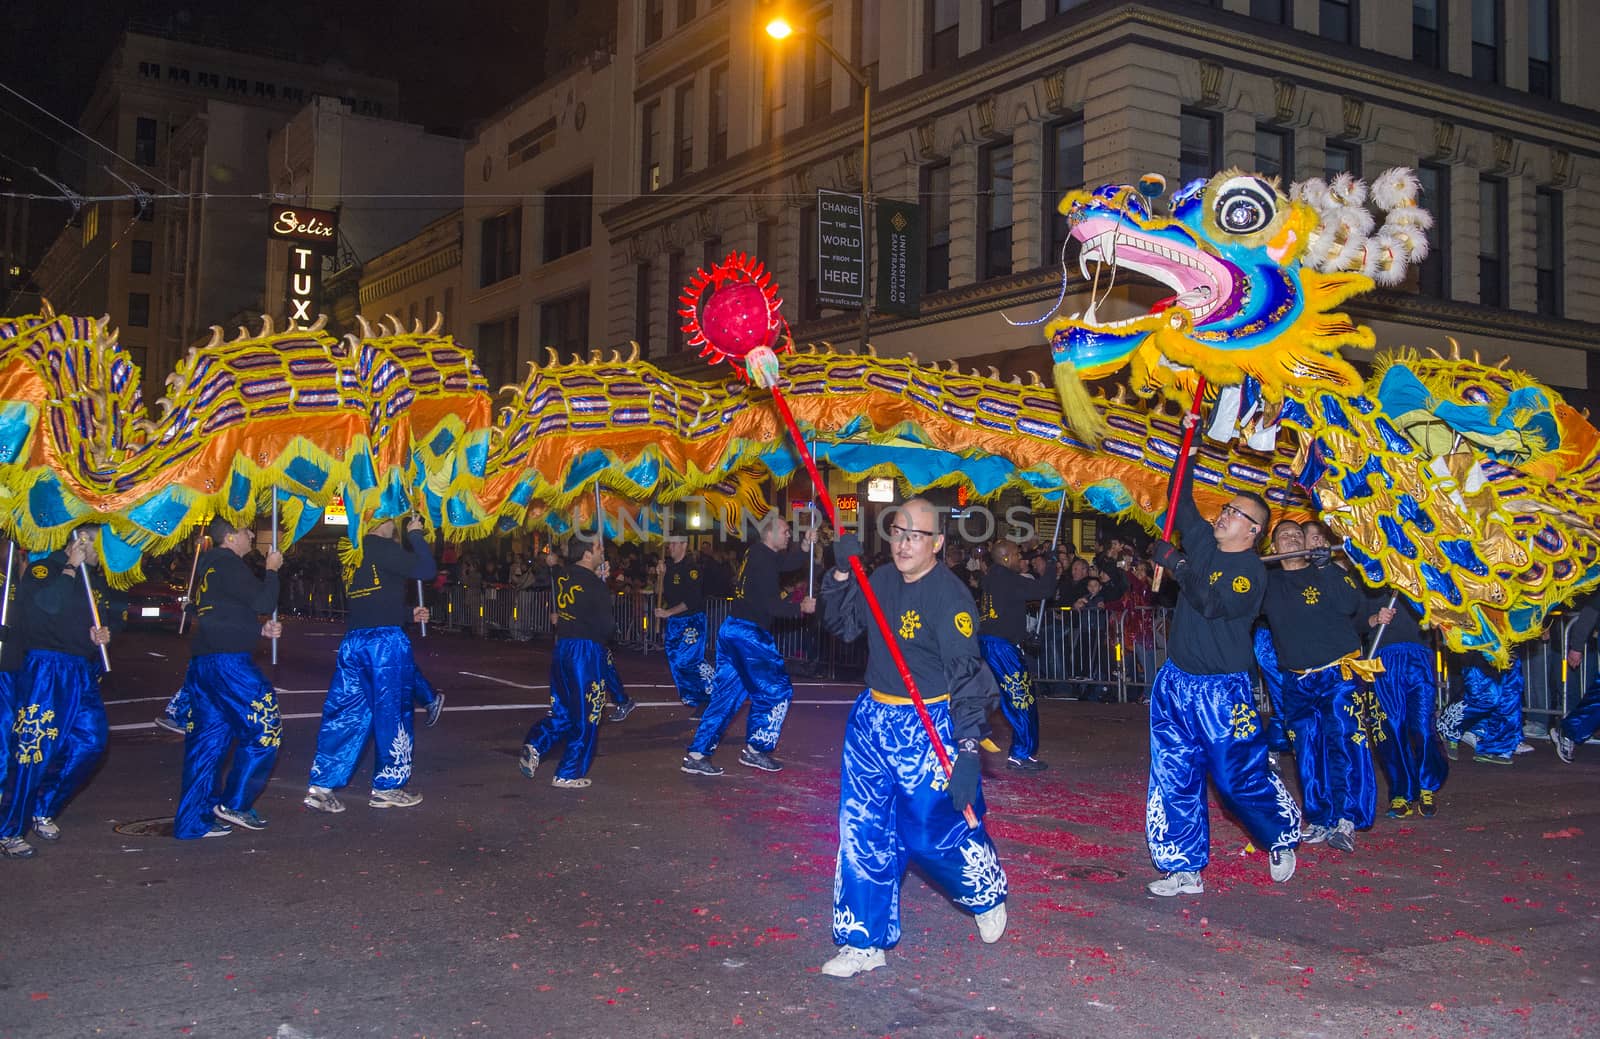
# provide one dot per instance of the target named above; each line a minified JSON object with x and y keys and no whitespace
{"x":529,"y":763}
{"x":576,"y":783}
{"x":1281,"y":865}
{"x":1470,"y":739}
{"x":852,"y":961}
{"x":1181,"y":883}
{"x":991,"y":924}
{"x":399,"y":797}
{"x":1523,"y":747}
{"x":46,"y":829}
{"x":1564,"y":745}
{"x":1313,"y":833}
{"x":321,"y":798}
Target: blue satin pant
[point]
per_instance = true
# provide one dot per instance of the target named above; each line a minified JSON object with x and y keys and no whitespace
{"x":1410,"y":754}
{"x":1491,"y":710}
{"x":178,"y":707}
{"x":686,"y":656}
{"x":8,"y":682}
{"x":231,"y":704}
{"x":614,"y":686}
{"x":894,"y":810}
{"x":578,"y":684}
{"x":1584,"y":719}
{"x":1017,"y":702}
{"x":1329,"y":721}
{"x":748,"y":667}
{"x":57,"y":738}
{"x":1272,"y":683}
{"x":1204,"y":725}
{"x":370,"y":696}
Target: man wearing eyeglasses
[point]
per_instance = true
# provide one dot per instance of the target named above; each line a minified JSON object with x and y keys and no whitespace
{"x":1311,"y":608}
{"x":1005,"y":624}
{"x":895,"y":801}
{"x":748,"y":663}
{"x":1202,"y":708}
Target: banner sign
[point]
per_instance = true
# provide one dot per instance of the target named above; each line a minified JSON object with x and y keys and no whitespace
{"x":316,"y":227}
{"x":841,"y":254}
{"x":900,"y":250}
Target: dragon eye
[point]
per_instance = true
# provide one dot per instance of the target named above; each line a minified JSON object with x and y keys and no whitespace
{"x":1245,"y":205}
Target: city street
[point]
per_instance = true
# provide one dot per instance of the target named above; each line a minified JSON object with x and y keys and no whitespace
{"x":659,"y":904}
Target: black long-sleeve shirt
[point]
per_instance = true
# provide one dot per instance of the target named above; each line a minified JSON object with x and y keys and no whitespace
{"x":1405,"y":627}
{"x":934,"y":620}
{"x":683,"y":584}
{"x":755,"y":589}
{"x":583,"y":605}
{"x":1007,"y":593}
{"x":377,"y":591}
{"x":229,"y":600}
{"x":1312,"y":612}
{"x":1218,"y":600}
{"x":58,"y":614}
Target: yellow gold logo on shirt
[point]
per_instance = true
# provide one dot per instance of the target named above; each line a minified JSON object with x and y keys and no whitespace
{"x":1213,"y":578}
{"x":1241,"y":584}
{"x":964,"y":624}
{"x":910,"y":621}
{"x":40,"y":572}
{"x":1312,"y":595}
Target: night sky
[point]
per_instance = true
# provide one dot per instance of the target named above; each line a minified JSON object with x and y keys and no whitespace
{"x":456,"y":60}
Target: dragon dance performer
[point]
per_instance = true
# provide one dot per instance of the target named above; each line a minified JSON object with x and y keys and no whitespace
{"x":580,"y":668}
{"x":1004,"y":626}
{"x":683,"y":607}
{"x":1413,"y":762}
{"x":748,"y":662}
{"x":1311,"y":607}
{"x":231,"y":703}
{"x":1202,"y":713}
{"x":371,"y":690}
{"x":58,"y":727}
{"x":1578,"y":726}
{"x":895,"y":803}
{"x":1488,"y":717}
{"x":1272,"y":683}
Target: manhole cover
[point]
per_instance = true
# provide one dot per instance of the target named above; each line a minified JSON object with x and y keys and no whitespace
{"x":146,"y":828}
{"x":1097,"y":874}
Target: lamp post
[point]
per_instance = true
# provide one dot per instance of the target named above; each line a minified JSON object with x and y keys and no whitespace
{"x":780,"y":28}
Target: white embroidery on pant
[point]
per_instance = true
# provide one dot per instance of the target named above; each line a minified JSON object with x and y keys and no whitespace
{"x":846,"y":924}
{"x":1155,"y":817}
{"x":768,"y":733}
{"x":1288,"y":811}
{"x":982,"y":873}
{"x":1450,"y":721}
{"x":400,"y":751}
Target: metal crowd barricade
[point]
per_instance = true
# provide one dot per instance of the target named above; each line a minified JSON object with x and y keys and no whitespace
{"x":1103,"y":652}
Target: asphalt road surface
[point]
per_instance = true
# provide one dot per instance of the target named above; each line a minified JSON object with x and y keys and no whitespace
{"x":659,"y":904}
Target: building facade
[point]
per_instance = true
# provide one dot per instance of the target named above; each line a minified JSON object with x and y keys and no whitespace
{"x":418,"y":281}
{"x":987,"y":111}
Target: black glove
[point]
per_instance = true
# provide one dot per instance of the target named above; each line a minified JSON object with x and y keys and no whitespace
{"x":1167,"y":557}
{"x":1320,"y":556}
{"x":848,"y":547}
{"x":964,"y":775}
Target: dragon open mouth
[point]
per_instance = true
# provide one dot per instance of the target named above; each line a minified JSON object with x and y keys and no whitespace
{"x":1203,"y":284}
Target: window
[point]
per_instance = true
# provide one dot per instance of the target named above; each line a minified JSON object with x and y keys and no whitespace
{"x":1275,"y":153}
{"x":819,"y":83}
{"x":568,"y":216}
{"x":685,"y":11}
{"x":1487,"y":16}
{"x":177,"y":75}
{"x":1338,"y":21}
{"x":497,"y":350}
{"x":1005,"y":19}
{"x":1433,"y":279}
{"x":502,"y":247}
{"x":655,"y":20}
{"x":1549,"y":270}
{"x":564,"y":323}
{"x":144,"y":141}
{"x":764,"y":234}
{"x":641,"y":307}
{"x":139,"y":309}
{"x":935,"y":198}
{"x":683,"y":123}
{"x":1492,"y":242}
{"x":1063,"y":171}
{"x":994,"y":212}
{"x":944,"y":43}
{"x":209,"y":79}
{"x":650,"y":147}
{"x":238,"y":86}
{"x":1541,"y":48}
{"x":1427,"y":32}
{"x":149,"y":70}
{"x":1277,"y":11}
{"x":1197,"y":146}
{"x":1341,"y":157}
{"x":141,"y":256}
{"x":810,"y":307}
{"x":718,"y":134}
{"x":675,"y":282}
{"x":427,"y":310}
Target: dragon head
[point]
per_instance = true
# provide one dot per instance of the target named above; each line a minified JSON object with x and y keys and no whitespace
{"x":1253,"y":275}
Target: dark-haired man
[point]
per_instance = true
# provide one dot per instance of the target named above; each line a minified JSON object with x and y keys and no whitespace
{"x":1202,"y":712}
{"x":230,"y":702}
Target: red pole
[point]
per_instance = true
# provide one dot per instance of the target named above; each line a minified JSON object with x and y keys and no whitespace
{"x":1178,"y":465}
{"x":871,"y":597}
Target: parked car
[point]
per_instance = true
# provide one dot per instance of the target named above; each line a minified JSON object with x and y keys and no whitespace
{"x":155,"y":604}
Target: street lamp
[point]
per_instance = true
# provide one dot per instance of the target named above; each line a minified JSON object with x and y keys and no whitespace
{"x":780,"y":28}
